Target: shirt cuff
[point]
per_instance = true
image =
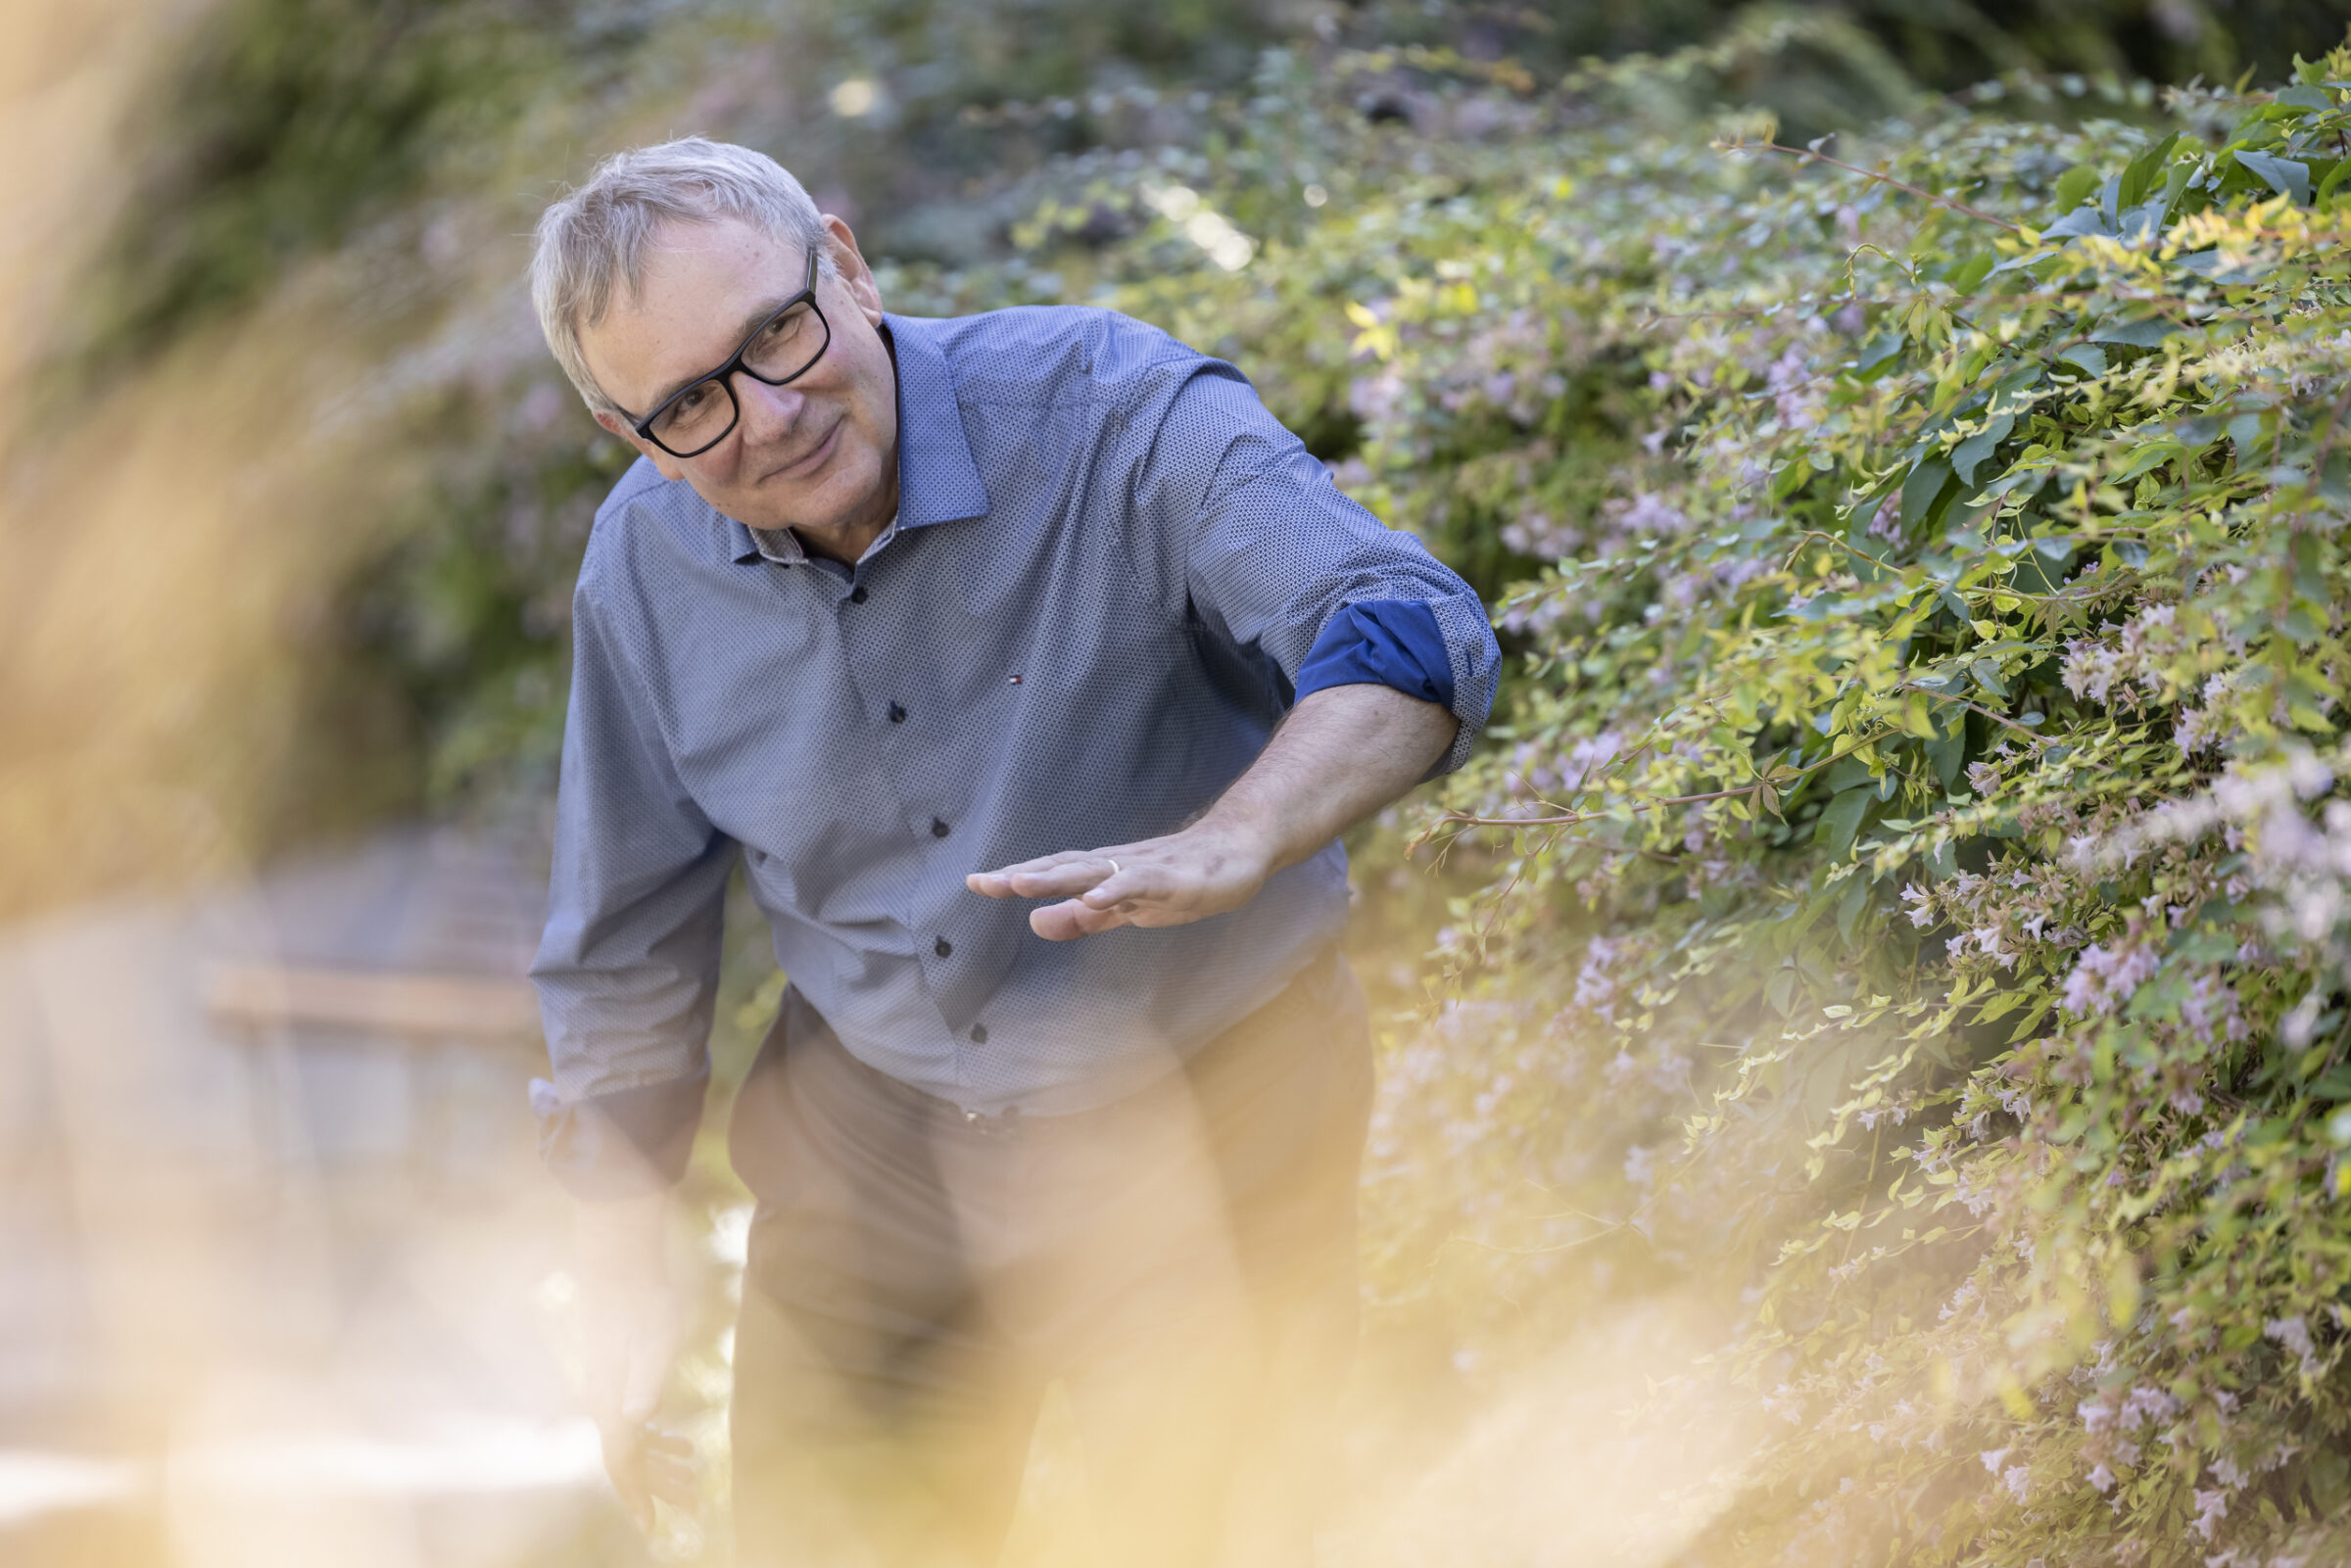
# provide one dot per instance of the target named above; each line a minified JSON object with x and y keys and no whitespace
{"x":622,"y":1144}
{"x":1390,"y":642}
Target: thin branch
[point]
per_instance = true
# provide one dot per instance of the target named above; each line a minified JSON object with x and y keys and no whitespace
{"x":1804,"y":154}
{"x":1572,"y":818}
{"x":2181,"y":302}
{"x":1842,"y":544}
{"x":1977,"y":707}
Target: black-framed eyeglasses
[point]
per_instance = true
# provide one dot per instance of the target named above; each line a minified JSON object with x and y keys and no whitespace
{"x":781,"y":349}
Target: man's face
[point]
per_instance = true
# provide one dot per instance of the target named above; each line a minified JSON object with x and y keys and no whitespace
{"x":820,"y":453}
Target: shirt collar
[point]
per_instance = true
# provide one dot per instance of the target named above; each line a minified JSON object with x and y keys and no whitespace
{"x":783,"y":547}
{"x":938,"y":481}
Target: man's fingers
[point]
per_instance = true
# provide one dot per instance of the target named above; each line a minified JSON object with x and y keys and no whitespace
{"x":669,"y":1474}
{"x":672,"y":1480}
{"x":662,"y":1444}
{"x":647,"y":1464}
{"x":999,"y":883}
{"x":1147,"y":883}
{"x":1072,"y":918}
{"x":624,"y":1462}
{"x":1049,"y":876}
{"x":1074,"y":875}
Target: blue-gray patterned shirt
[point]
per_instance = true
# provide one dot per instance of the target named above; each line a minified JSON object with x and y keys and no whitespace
{"x":1111,"y":573}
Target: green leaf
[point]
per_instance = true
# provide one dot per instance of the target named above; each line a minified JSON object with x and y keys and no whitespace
{"x":1840,"y":820}
{"x":2080,"y":221}
{"x":2282,"y":174}
{"x":1849,"y":908}
{"x":1847,"y":773}
{"x":2075,"y":185}
{"x":1948,"y":749}
{"x":2145,"y":333}
{"x":1878,"y":352}
{"x":1965,"y":275}
{"x":2334,"y":177}
{"x":1923,"y":487}
{"x":2139,"y":176}
{"x":2088,"y":356}
{"x":1969,"y":454}
{"x":2329,"y":1476}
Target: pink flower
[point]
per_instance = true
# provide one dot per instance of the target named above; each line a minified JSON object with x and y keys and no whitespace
{"x":2211,"y":1508}
{"x":2103,"y":977}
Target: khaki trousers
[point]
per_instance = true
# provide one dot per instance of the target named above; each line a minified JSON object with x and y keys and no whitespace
{"x":1183,"y":1260}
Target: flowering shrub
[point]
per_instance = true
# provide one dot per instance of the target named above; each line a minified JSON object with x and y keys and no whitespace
{"x":1903,"y":888}
{"x":1913,"y":849}
{"x":1905,"y":885}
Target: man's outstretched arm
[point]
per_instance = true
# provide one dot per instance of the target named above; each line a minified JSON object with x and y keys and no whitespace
{"x":1343,"y":753}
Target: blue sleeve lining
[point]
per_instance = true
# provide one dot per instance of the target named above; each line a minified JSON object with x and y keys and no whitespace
{"x":1390,"y":642}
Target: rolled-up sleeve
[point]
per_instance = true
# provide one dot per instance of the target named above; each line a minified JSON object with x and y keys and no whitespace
{"x":1277,"y":554}
{"x":628,"y":968}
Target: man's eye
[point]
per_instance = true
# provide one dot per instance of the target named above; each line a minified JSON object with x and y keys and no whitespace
{"x":692,"y":398}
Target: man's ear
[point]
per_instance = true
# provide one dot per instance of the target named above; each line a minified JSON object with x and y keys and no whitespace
{"x":669,"y":466}
{"x":849,"y":263}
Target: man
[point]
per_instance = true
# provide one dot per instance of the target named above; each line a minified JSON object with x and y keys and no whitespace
{"x":1031,"y":669}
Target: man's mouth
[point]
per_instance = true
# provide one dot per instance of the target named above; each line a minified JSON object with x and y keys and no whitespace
{"x":808,"y":461}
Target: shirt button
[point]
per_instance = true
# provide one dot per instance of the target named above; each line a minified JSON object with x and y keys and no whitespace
{"x":857,"y":595}
{"x":979,"y":1034}
{"x":897,"y":715}
{"x":938,"y":830}
{"x":942,"y":947}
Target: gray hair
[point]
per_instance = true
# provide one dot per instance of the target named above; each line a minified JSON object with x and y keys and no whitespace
{"x":593,"y":241}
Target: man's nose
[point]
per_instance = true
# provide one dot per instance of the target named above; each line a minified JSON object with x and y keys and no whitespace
{"x":768,"y":412}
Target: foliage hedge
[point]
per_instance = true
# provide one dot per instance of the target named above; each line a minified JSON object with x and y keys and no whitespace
{"x":1904,"y":892}
{"x":1920,"y":790}
{"x":1911,"y":856}
{"x":1904,"y":889}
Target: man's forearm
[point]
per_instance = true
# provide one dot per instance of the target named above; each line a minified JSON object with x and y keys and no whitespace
{"x":1343,"y":753}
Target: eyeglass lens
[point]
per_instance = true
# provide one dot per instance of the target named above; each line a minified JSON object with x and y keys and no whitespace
{"x":705,"y":412}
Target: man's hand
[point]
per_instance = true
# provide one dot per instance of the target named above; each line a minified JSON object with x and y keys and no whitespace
{"x":1204,"y":869}
{"x":1344,"y":752}
{"x":631,"y":1323}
